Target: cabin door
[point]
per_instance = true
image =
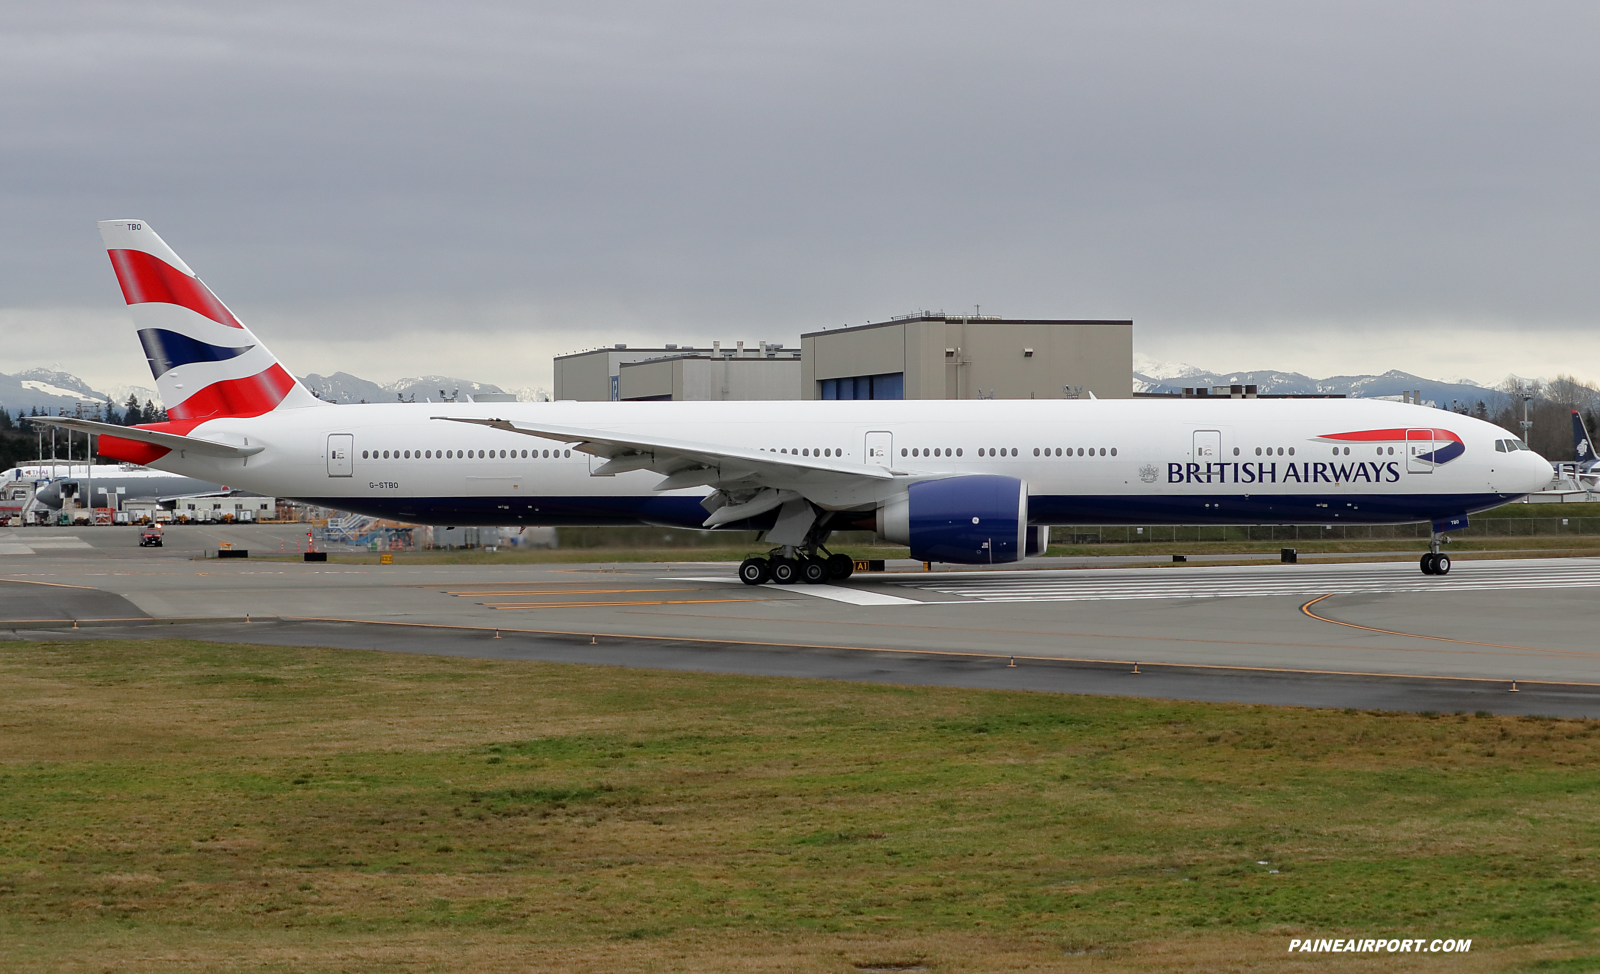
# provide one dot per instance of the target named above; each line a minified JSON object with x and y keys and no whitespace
{"x":879,"y":448}
{"x":341,"y":446}
{"x":1419,"y":451}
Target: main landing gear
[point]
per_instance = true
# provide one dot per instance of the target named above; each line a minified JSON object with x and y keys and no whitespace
{"x":1436,"y":562}
{"x":790,"y":564}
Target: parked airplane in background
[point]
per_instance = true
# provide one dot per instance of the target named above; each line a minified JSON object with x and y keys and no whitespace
{"x":967,"y":482}
{"x":1583,"y":446}
{"x":45,"y":484}
{"x":125,"y":483}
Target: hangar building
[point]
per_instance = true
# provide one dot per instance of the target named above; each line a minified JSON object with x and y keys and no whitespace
{"x":939,"y":356}
{"x":921,"y":356}
{"x":762,"y":371}
{"x":766,"y":373}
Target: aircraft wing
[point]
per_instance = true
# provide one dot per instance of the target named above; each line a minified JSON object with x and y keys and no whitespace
{"x":171,"y":441}
{"x":753,"y":480}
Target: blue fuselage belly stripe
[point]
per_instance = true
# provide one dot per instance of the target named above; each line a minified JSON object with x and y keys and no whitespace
{"x":1257,"y":508}
{"x":686,"y":512}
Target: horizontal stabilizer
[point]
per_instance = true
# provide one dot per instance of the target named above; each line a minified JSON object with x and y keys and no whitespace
{"x":170,"y":441}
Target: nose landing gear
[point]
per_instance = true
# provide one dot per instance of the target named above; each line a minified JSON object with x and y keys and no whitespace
{"x":1436,"y":562}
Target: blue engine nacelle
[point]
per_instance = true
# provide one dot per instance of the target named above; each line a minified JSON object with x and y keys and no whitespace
{"x":977,"y":520}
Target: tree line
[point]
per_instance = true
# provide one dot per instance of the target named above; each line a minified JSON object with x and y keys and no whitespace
{"x":131,"y":414}
{"x":1550,"y":411}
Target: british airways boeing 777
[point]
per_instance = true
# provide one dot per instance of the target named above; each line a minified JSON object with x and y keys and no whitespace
{"x":968,"y":482}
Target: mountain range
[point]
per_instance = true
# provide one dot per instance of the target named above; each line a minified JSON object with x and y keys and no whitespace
{"x":1173,"y":377}
{"x":50,"y":390}
{"x":344,"y":387}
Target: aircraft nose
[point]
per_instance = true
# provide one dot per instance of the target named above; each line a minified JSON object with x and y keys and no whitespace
{"x":1539,"y":472}
{"x":49,"y":495}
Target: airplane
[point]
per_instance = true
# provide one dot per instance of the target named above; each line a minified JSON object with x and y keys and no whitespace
{"x":1583,"y":446}
{"x":121,"y":480}
{"x":961,"y":482}
{"x":46,"y":483}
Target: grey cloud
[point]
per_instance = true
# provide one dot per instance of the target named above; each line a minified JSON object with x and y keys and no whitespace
{"x":1226,"y":167}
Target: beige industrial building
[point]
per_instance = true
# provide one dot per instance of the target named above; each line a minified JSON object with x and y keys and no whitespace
{"x":592,"y":376}
{"x":704,"y":376}
{"x":921,"y":356}
{"x":938,"y":356}
{"x":761,"y":371}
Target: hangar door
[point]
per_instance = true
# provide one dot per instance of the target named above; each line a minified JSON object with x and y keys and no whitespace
{"x":340,"y":448}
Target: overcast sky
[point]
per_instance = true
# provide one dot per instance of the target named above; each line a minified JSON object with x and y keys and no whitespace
{"x":402,"y":188}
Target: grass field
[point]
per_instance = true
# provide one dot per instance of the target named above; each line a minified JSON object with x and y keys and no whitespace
{"x":182,"y":806}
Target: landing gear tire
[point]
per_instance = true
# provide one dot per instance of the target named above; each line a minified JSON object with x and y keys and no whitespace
{"x":1427,"y":563}
{"x":814,"y":571}
{"x":754,"y":571}
{"x":784,"y":571}
{"x":1441,"y":564}
{"x":840,"y":567}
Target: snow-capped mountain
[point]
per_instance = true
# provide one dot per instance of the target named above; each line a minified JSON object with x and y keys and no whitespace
{"x":1169,"y":377}
{"x":47,"y":388}
{"x":52,"y":391}
{"x":120,"y":394}
{"x":344,"y":387}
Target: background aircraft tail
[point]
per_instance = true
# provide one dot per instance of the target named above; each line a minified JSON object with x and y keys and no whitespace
{"x":206,"y":363}
{"x":1583,"y":447}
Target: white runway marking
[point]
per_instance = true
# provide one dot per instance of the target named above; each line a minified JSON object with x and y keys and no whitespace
{"x":12,"y":543}
{"x":838,"y":593}
{"x":855,"y":596}
{"x":1230,"y":582}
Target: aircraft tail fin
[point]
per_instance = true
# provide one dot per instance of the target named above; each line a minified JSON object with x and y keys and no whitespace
{"x":1583,"y":447}
{"x":206,"y":363}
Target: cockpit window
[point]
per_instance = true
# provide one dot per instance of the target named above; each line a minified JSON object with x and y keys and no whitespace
{"x":1517,"y":444}
{"x":1500,"y":446}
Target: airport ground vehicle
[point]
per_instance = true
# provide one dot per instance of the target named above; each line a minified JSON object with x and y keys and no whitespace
{"x":968,"y":482}
{"x":150,"y":536}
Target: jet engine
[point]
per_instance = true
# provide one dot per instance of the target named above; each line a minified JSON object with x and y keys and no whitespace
{"x":976,"y":520}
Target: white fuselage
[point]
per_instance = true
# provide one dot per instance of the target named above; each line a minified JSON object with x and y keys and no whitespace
{"x":1226,"y":461}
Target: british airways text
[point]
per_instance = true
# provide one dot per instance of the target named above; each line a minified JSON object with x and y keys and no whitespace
{"x":1269,"y":473}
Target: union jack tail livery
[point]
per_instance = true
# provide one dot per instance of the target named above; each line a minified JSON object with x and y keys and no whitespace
{"x":207,"y":365}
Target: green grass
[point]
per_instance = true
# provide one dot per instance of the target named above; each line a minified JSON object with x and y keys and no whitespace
{"x":187,"y":806}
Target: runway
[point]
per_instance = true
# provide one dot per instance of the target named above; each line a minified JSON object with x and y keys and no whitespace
{"x":1377,"y":635}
